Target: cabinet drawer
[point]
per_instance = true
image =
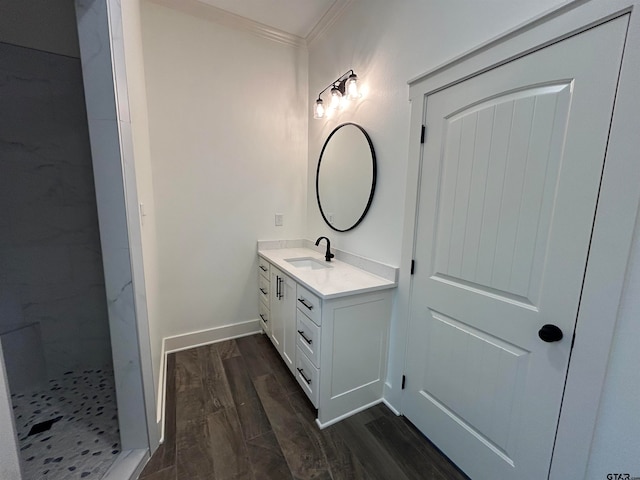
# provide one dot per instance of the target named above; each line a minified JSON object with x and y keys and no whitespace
{"x":308,"y":377}
{"x":264,"y":318}
{"x":263,"y":289}
{"x":308,"y":337}
{"x":309,"y":304}
{"x":263,"y":267}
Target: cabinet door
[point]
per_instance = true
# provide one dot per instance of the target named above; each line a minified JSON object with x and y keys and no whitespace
{"x":275,"y":307}
{"x":283,"y":316}
{"x":288,"y":312}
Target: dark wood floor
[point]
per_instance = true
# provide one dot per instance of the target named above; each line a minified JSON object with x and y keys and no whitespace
{"x":234,"y":411}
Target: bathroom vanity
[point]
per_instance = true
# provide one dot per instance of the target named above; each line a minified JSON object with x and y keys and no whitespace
{"x":329,"y":321}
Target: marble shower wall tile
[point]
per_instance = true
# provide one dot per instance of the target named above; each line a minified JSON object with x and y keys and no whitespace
{"x":115,"y":184}
{"x":49,"y":236}
{"x":93,"y":32}
{"x":107,"y":171}
{"x":40,"y":64}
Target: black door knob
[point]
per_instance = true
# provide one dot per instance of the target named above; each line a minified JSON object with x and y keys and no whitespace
{"x":550,"y":333}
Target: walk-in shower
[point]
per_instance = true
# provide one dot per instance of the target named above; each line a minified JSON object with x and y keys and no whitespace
{"x":53,"y":315}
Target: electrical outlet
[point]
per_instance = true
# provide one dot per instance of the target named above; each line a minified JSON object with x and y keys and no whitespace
{"x":279,"y":219}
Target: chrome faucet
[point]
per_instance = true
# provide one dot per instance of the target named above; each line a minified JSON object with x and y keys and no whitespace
{"x":327,"y":256}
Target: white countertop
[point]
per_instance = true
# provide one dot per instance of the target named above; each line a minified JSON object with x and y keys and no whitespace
{"x":339,"y":280}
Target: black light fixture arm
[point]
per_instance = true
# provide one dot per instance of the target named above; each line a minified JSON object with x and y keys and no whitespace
{"x":339,"y":82}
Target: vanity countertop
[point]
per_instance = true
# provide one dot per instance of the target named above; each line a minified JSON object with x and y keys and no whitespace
{"x":339,"y":280}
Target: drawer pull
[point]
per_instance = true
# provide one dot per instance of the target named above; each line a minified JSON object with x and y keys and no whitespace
{"x":264,"y":292}
{"x":303,"y":376}
{"x":304,"y":336}
{"x":263,"y":319}
{"x":304,"y":302}
{"x":263,"y":268}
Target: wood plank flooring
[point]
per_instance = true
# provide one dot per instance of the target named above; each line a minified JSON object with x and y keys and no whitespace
{"x":234,"y":411}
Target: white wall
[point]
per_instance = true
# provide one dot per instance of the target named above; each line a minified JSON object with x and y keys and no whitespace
{"x":388,"y":43}
{"x":616,"y":440}
{"x":228,"y":150}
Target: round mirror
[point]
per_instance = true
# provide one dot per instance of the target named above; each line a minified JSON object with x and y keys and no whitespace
{"x":346,"y":177}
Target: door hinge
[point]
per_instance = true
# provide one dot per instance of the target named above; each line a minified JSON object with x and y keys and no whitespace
{"x":404,"y":379}
{"x":413,"y":266}
{"x":423,"y":134}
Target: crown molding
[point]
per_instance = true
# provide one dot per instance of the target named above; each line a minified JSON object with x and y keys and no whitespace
{"x":223,"y":17}
{"x":328,"y":19}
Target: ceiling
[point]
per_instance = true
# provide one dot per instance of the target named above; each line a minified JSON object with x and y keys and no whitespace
{"x":296,"y":17}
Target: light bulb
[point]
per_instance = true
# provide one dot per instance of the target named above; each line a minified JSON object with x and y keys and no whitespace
{"x":318,"y":110}
{"x":335,"y":97}
{"x":353,"y":92}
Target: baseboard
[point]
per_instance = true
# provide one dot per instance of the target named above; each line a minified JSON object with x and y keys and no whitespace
{"x":346,"y":415}
{"x":192,"y":340}
{"x":391,"y":407}
{"x":128,"y":465}
{"x":211,"y":335}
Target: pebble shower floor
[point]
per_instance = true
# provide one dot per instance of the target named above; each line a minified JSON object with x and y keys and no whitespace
{"x":83,"y":440}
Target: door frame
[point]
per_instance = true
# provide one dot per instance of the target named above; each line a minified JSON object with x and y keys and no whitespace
{"x":614,"y":224}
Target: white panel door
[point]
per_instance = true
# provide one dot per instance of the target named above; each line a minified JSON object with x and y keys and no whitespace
{"x":509,"y":186}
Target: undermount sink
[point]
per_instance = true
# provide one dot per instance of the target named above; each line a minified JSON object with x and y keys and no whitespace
{"x":307,"y":263}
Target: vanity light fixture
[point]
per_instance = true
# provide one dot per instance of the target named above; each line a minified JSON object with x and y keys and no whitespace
{"x":345,"y":87}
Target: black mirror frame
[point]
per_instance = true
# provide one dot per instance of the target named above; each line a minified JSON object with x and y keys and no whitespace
{"x":373,"y":180}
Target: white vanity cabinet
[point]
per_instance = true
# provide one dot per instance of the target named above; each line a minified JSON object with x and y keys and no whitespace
{"x":353,"y":354}
{"x":282,"y":303}
{"x":335,"y":345}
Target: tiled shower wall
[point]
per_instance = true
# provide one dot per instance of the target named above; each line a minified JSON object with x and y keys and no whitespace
{"x":49,"y":241}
